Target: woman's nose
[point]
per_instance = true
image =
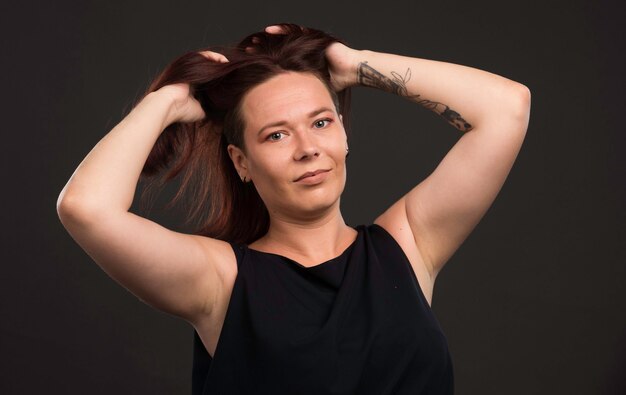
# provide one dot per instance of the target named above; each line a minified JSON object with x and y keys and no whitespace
{"x":306,"y":147}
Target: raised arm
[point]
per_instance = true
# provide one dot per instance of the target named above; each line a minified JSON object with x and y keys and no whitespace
{"x":433,"y":219}
{"x":173,"y":272}
{"x":491,"y":111}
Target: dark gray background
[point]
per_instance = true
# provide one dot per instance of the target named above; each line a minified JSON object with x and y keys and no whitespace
{"x":532,"y":303}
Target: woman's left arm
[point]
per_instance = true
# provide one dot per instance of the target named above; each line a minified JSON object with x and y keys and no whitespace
{"x":491,"y":111}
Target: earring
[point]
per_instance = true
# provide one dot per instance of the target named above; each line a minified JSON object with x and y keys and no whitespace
{"x":347,"y":152}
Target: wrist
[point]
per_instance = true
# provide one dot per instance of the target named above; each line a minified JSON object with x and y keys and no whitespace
{"x":361,"y":57}
{"x":165,"y":104}
{"x":344,"y":62}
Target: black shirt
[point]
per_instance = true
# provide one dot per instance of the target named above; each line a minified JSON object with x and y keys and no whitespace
{"x":355,"y":324}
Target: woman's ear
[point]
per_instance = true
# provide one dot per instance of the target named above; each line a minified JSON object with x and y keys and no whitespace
{"x":239,"y":159}
{"x":341,"y":118}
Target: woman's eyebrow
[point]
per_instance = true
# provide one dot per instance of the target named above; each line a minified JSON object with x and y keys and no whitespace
{"x":282,"y":123}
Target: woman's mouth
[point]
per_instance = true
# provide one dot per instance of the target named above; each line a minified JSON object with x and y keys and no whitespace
{"x":313,"y":177}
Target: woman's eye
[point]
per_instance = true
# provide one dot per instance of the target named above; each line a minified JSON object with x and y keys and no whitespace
{"x":320,"y":122}
{"x":270,"y":137}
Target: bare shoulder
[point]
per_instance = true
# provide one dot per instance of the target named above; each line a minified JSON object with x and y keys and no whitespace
{"x":220,"y":253}
{"x":394,"y":221}
{"x":209,"y":324}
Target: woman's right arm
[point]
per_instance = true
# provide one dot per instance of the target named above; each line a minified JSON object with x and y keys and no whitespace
{"x":177,"y":273}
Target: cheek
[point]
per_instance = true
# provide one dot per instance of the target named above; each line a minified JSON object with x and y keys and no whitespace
{"x":333,"y":145}
{"x":270,"y":175}
{"x":339,"y":152}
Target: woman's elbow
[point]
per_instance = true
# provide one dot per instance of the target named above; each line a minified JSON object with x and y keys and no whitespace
{"x":71,"y":208}
{"x":520,"y":98}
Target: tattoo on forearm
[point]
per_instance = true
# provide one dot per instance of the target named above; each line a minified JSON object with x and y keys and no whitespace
{"x":368,"y":76}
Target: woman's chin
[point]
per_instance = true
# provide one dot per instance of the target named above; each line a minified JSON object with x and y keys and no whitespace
{"x":312,"y":207}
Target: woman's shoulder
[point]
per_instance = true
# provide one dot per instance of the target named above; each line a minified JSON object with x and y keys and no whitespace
{"x":222,"y":253}
{"x":396,"y":229}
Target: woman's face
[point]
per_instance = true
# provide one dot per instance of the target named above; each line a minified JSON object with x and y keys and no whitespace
{"x":292,"y":128}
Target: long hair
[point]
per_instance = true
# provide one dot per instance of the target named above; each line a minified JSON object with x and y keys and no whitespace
{"x":219,"y":204}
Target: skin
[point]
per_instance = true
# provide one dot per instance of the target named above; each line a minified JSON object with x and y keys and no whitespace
{"x":192,"y":276}
{"x":305,"y":220}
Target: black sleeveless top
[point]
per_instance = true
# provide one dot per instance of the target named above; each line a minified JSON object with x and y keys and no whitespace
{"x":356,"y":324}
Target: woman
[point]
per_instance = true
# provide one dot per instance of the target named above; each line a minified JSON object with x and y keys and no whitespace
{"x":314,"y":305}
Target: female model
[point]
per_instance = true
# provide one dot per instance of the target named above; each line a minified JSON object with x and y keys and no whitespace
{"x":284,"y":296}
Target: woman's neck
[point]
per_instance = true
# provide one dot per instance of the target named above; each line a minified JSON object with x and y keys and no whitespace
{"x":307,"y":241}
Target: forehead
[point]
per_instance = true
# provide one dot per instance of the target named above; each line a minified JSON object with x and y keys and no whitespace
{"x":286,"y":96}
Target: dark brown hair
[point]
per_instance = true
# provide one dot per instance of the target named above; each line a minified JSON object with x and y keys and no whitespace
{"x":219,"y":203}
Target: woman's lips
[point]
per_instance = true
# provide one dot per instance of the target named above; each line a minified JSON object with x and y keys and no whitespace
{"x":318,"y":176}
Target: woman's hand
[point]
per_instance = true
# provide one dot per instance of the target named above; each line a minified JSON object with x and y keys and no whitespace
{"x":342,"y":62}
{"x":183,"y":105}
